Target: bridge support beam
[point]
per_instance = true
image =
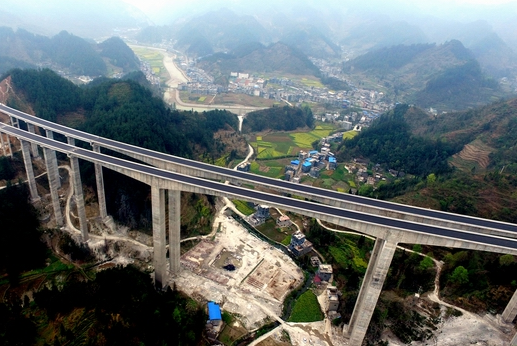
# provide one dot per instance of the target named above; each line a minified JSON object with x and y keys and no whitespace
{"x":34,"y":146}
{"x":371,"y":287}
{"x":159,"y":241}
{"x":53,"y":178}
{"x":174,"y":230}
{"x":510,"y":312}
{"x":99,"y":179}
{"x":50,"y":135}
{"x":79,"y":198}
{"x":15,"y":122}
{"x":31,"y":180}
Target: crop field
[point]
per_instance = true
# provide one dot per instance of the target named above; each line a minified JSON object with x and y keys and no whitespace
{"x":311,"y":83}
{"x":155,"y":60}
{"x":272,"y":170}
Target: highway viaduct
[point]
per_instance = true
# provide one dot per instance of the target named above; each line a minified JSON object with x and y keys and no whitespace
{"x":389,"y":223}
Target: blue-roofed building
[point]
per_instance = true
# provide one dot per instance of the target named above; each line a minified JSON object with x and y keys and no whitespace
{"x":295,"y":162}
{"x":313,"y":152}
{"x":332,"y":162}
{"x":306,"y":167}
{"x":214,"y":312}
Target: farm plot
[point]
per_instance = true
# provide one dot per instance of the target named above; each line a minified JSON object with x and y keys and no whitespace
{"x":155,"y":60}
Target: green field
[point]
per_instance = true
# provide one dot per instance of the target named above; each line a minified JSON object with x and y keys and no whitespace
{"x":271,"y":169}
{"x":306,"y":309}
{"x":312,"y":83}
{"x":350,"y":134}
{"x":155,"y":59}
{"x":243,"y":207}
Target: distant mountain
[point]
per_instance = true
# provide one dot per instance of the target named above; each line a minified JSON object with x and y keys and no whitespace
{"x":223,"y":30}
{"x":494,"y":56}
{"x":312,"y":43}
{"x":375,"y":35}
{"x":256,"y":58}
{"x":421,"y":73}
{"x":63,"y":51}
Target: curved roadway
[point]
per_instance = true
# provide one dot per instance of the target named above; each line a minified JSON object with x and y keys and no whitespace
{"x":382,"y":207}
{"x":257,"y":195}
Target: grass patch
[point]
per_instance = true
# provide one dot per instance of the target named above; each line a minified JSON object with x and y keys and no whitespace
{"x":304,"y":139}
{"x":286,"y":241}
{"x":202,"y":99}
{"x":243,"y":207}
{"x":350,"y":134}
{"x":306,"y":309}
{"x":272,"y":171}
{"x":312,"y":83}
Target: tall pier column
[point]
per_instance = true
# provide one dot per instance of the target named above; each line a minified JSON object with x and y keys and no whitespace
{"x":50,"y":135}
{"x":34,"y":146}
{"x":2,"y":143}
{"x":99,"y":179}
{"x":371,"y":287}
{"x":174,"y":230}
{"x":79,"y":198}
{"x":53,"y":177}
{"x":510,"y":311}
{"x":30,"y":172}
{"x":159,"y":241}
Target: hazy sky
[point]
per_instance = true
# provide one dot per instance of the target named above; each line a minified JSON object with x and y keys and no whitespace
{"x":160,"y":10}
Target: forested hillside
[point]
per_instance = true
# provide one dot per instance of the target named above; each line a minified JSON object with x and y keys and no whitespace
{"x":279,"y":119}
{"x":390,"y":142}
{"x":278,"y":57}
{"x":63,"y":51}
{"x":124,"y":110}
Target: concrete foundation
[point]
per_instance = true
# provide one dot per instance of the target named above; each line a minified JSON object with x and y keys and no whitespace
{"x":510,"y":312}
{"x":159,"y":241}
{"x":50,"y":135}
{"x":30,"y":172}
{"x":53,"y":177}
{"x":174,"y":230}
{"x":79,"y":198}
{"x":371,"y":287}
{"x":99,"y":179}
{"x":34,"y":146}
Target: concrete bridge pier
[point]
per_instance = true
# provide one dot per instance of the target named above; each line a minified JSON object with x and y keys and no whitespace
{"x":99,"y":179}
{"x":371,"y":287}
{"x":4,"y":153}
{"x":159,"y":241}
{"x":50,"y":135}
{"x":53,"y":178}
{"x":31,"y":180}
{"x":34,"y":146}
{"x":510,"y":312}
{"x":174,"y":230}
{"x":79,"y":198}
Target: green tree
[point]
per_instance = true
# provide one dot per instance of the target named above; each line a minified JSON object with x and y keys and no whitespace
{"x":426,"y":264}
{"x":459,"y":276}
{"x":506,"y":260}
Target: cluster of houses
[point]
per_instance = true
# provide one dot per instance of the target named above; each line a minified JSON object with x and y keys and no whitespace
{"x":314,"y":161}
